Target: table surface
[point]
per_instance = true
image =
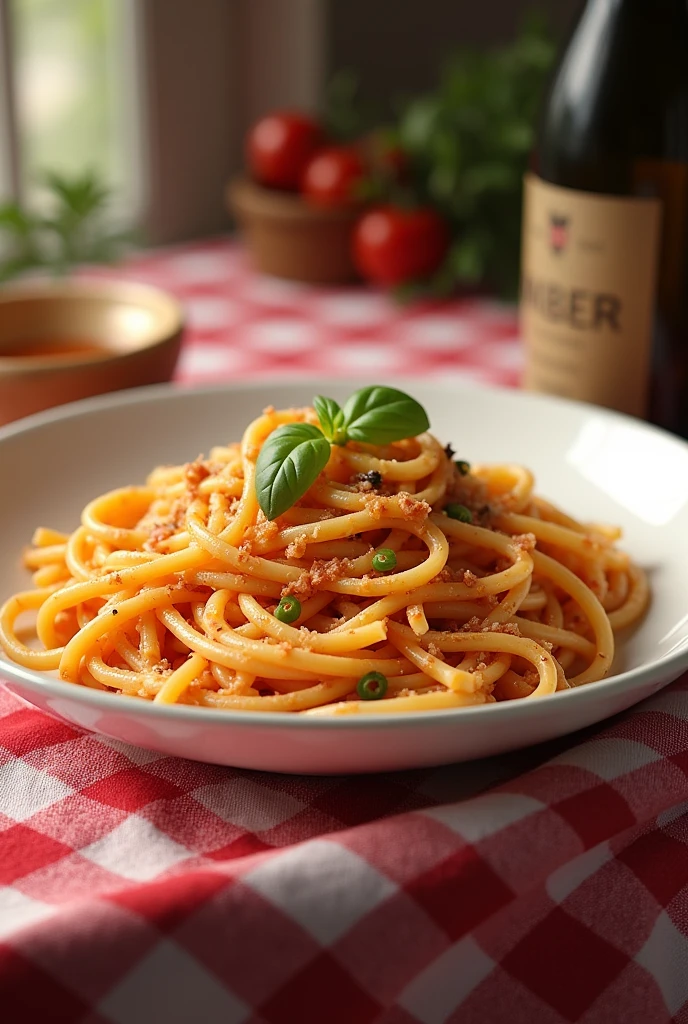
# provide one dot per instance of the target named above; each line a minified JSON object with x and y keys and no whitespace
{"x":545,"y":886}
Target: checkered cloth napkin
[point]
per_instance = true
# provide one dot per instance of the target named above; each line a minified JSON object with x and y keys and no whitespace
{"x":545,"y":886}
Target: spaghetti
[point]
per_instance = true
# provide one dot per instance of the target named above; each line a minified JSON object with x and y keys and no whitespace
{"x":400,"y":581}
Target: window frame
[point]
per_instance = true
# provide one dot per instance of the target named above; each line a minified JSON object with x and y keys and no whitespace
{"x":10,"y":172}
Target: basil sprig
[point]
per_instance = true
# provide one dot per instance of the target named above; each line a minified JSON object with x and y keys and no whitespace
{"x":294,"y":455}
{"x":377,"y":415}
{"x":331,"y":419}
{"x":289,"y":462}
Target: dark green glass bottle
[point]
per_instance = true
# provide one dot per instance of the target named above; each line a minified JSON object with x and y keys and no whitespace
{"x":605,"y":240}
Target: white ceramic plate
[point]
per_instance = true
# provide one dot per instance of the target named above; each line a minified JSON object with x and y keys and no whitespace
{"x":595,"y":464}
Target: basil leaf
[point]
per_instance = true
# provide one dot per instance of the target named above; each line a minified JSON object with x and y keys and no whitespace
{"x":331,"y":419}
{"x":379,"y":415}
{"x":289,"y":462}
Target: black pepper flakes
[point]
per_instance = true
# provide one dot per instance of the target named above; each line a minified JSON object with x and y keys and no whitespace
{"x":449,"y":451}
{"x":372,"y":477}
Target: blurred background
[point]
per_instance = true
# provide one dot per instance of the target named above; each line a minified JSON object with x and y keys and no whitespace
{"x":155,"y":96}
{"x":315,"y":186}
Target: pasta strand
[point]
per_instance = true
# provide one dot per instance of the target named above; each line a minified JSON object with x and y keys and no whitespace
{"x":173,"y":591}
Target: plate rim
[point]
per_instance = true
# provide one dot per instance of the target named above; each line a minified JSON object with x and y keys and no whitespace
{"x":173,"y":389}
{"x":58,"y":688}
{"x":673,"y":664}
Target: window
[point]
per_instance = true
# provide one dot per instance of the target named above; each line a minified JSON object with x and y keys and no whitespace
{"x":70,"y":91}
{"x":70,"y":109}
{"x":152,"y":94}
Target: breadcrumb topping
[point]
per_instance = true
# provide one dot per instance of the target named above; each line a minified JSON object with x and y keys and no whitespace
{"x":411,"y":508}
{"x":525,"y":541}
{"x":297,"y":548}
{"x":318,"y":577}
{"x":194,"y":472}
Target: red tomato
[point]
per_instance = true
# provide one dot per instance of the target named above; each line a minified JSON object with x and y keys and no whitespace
{"x":279,"y":146}
{"x":392,"y":246}
{"x":331,"y":176}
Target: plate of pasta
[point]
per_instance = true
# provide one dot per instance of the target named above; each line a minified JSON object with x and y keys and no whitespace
{"x":328,"y":577}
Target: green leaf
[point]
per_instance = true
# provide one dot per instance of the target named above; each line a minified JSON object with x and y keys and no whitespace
{"x":380,"y":415}
{"x":331,"y":419}
{"x":419,"y":124}
{"x":15,"y":220}
{"x":467,"y":260}
{"x":71,"y":229}
{"x":492,"y":177}
{"x":80,"y":196}
{"x":443,"y":183}
{"x":290,"y":461}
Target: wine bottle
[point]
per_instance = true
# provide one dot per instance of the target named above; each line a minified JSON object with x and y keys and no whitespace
{"x":604,"y":293}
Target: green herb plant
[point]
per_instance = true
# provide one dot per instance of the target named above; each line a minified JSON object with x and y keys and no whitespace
{"x":70,"y":228}
{"x":468,"y":144}
{"x":294,"y":454}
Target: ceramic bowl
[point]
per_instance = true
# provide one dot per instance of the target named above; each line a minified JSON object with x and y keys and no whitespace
{"x":61,"y":341}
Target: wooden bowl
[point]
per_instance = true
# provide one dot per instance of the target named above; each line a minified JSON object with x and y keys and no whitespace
{"x":60,"y":341}
{"x":289,"y":237}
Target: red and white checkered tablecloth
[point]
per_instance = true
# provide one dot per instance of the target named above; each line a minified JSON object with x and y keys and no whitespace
{"x":545,"y":886}
{"x":244,"y":326}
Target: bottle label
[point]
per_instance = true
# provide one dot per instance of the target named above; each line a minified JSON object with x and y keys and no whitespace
{"x":588,"y":281}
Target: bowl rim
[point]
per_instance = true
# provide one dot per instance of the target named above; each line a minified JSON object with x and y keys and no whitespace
{"x":108,"y":290}
{"x":665,"y":669}
{"x":662,"y":670}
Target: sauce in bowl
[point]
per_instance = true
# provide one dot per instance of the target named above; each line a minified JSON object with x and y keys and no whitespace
{"x":50,"y":348}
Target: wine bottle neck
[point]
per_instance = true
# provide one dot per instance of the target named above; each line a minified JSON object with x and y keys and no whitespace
{"x":657,"y":7}
{"x":651,"y":19}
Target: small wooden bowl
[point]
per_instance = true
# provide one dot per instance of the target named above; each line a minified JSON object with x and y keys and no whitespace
{"x":68,"y":340}
{"x":289,"y":237}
